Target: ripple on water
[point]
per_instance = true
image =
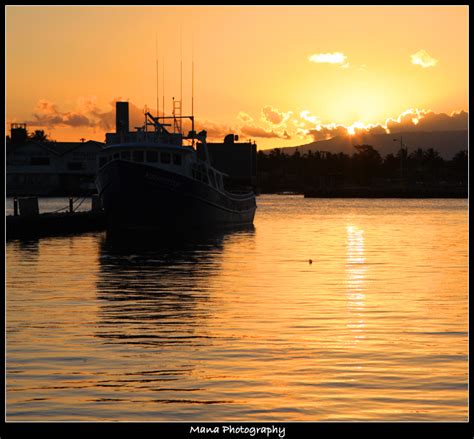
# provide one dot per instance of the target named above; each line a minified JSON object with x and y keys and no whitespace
{"x":239,"y":326}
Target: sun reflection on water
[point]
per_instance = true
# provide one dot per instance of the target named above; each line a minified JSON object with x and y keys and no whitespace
{"x":355,"y":281}
{"x":241,"y":326}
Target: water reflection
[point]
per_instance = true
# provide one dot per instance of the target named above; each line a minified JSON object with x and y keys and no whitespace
{"x":154,"y":290}
{"x":28,"y":247}
{"x":355,"y":282}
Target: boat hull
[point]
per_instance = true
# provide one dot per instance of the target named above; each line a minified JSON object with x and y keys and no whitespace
{"x":137,"y":196}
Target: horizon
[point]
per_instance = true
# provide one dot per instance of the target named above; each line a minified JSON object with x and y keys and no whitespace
{"x":309,"y":263}
{"x":304,"y":74}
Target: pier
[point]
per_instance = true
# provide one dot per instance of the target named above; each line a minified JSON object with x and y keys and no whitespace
{"x":29,"y":223}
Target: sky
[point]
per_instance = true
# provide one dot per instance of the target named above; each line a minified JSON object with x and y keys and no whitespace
{"x":278,"y":75}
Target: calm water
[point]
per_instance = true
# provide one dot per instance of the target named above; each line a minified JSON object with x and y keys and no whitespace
{"x":240,"y":326}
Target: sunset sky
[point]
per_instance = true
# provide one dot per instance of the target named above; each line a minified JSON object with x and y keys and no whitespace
{"x":280,"y":75}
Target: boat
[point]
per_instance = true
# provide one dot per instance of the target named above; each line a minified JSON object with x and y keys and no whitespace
{"x":156,"y":179}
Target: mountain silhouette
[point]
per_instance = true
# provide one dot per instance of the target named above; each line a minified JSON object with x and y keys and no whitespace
{"x":447,"y":143}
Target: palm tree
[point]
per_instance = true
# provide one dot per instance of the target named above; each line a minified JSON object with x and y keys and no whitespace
{"x":460,"y":166}
{"x":366,"y":163}
{"x":39,"y":136}
{"x":433,"y":163}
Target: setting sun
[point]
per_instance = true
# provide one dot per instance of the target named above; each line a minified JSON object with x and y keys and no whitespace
{"x":236,"y":215}
{"x":350,"y":66}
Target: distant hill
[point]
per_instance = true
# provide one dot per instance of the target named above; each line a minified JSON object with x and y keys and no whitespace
{"x":447,"y":143}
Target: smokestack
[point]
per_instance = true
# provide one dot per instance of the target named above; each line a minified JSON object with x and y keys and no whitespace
{"x":18,"y":133}
{"x":121,"y":117}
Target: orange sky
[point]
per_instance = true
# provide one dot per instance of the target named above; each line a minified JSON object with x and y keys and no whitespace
{"x":271,"y":73}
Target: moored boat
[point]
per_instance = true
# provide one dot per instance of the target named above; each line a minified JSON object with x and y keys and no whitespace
{"x":164,"y":180}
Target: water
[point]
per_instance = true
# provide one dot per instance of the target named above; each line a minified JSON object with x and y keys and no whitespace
{"x":241,"y":326}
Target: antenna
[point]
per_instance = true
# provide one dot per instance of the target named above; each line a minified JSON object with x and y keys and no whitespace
{"x":192,"y":86}
{"x":163,"y":82}
{"x":157,"y":78}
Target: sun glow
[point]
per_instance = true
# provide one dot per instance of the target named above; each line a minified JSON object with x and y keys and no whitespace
{"x":351,"y":129}
{"x":329,"y":74}
{"x":309,"y":124}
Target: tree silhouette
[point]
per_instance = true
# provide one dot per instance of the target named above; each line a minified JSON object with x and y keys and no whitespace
{"x":459,"y":167}
{"x":39,"y":136}
{"x":366,"y":163}
{"x":278,"y":171}
{"x":433,"y":163}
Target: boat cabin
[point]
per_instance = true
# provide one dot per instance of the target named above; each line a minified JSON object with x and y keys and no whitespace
{"x":177,"y":159}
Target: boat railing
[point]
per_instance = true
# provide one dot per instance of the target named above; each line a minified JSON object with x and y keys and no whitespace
{"x":240,"y":194}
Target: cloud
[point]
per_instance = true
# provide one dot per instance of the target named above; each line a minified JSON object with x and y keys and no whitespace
{"x":275,"y":117}
{"x":87,"y":114}
{"x":47,"y":115}
{"x":276,"y":124}
{"x":325,"y":132}
{"x":360,"y":128}
{"x":423,"y":59}
{"x":411,"y":120}
{"x":306,"y":116}
{"x":328,"y":58}
{"x":244,"y":117}
{"x":254,"y":131}
{"x":426,"y":120}
{"x":215,"y":131}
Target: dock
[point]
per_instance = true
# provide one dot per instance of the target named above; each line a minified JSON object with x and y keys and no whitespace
{"x":31,"y":224}
{"x":51,"y":224}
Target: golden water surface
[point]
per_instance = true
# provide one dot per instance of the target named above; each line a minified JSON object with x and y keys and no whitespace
{"x":327,"y":310}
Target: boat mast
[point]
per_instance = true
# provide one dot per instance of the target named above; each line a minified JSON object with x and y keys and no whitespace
{"x":178,"y":105}
{"x":163,"y":81}
{"x":192,"y":87}
{"x":157,"y":77}
{"x":181,"y":73}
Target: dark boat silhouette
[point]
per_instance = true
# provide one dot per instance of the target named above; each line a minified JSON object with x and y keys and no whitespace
{"x":154,"y":180}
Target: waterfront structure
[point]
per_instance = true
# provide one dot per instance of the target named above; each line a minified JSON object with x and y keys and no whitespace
{"x":49,"y":167}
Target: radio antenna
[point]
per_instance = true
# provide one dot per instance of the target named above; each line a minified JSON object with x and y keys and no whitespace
{"x":192,"y":85}
{"x":157,"y":78}
{"x":181,"y":84}
{"x":163,"y":82}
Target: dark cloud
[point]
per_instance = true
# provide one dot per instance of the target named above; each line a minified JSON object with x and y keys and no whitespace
{"x":409,"y":121}
{"x":272,"y":115}
{"x":378,"y":129}
{"x":253,"y":131}
{"x":87,"y":114}
{"x":429,"y":121}
{"x":47,"y":115}
{"x":215,"y":131}
{"x":327,"y":132}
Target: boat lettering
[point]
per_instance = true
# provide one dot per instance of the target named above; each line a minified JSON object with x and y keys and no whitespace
{"x":163,"y":180}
